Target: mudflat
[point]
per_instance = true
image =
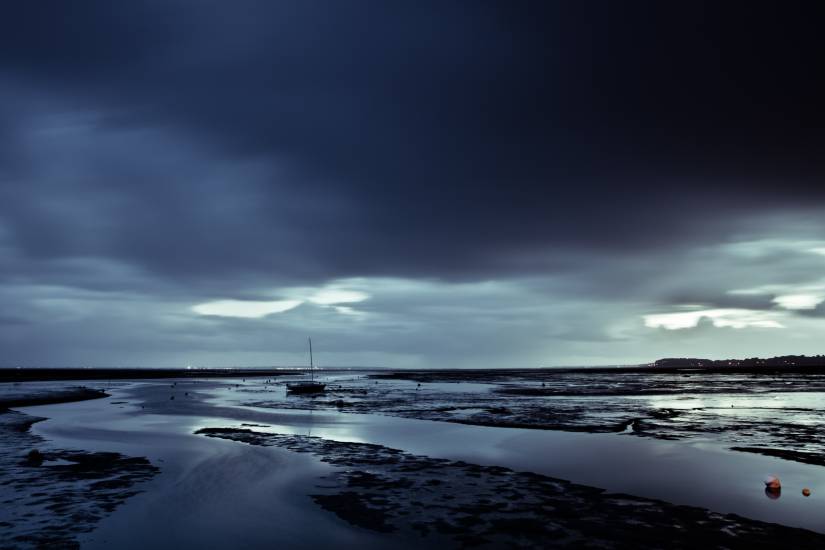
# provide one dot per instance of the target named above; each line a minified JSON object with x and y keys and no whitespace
{"x":456,"y":459}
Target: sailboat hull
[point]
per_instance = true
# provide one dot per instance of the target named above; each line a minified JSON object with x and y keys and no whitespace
{"x":310,"y":386}
{"x":305,"y":387}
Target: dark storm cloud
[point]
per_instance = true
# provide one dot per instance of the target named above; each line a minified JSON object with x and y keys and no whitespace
{"x":451,"y":139}
{"x":503,"y":180}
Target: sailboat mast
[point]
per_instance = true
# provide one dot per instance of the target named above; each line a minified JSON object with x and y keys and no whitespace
{"x":311,"y":367}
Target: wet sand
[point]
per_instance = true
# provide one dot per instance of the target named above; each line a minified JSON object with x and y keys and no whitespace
{"x":387,"y":490}
{"x":51,"y":496}
{"x":227,"y":462}
{"x":11,"y":399}
{"x":771,"y":413}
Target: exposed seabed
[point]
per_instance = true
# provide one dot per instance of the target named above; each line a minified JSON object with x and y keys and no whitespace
{"x":238,"y":462}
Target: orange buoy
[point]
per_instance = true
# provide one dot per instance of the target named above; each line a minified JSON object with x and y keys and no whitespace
{"x":806,"y":492}
{"x":772,"y":482}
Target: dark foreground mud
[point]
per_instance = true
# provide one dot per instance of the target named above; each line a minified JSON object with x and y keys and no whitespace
{"x":27,"y":398}
{"x":797,"y":456}
{"x":391,"y":491}
{"x":49,"y":497}
{"x":623,"y":381}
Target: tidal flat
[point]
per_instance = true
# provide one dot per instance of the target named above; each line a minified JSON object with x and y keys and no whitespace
{"x":399,"y":459}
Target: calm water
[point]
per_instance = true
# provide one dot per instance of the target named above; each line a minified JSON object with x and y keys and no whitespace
{"x":221,"y":491}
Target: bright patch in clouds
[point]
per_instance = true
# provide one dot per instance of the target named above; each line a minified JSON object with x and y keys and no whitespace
{"x":765,"y":247}
{"x":799,"y":301}
{"x":792,"y":297}
{"x":346,"y":310}
{"x":731,"y":317}
{"x":326,"y":297}
{"x":329,"y":296}
{"x":245,"y":308}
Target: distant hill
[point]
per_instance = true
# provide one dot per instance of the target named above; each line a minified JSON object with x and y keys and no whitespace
{"x":771,"y":362}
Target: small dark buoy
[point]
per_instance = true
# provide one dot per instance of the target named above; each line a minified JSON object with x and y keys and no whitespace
{"x":806,"y":492}
{"x":172,"y":398}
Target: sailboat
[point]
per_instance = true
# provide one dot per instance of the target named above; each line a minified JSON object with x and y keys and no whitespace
{"x":310,"y":386}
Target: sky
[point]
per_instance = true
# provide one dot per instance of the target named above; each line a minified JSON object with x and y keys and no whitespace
{"x":413,"y":184}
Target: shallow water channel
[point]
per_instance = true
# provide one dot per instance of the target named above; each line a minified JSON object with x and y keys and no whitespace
{"x":218,"y":493}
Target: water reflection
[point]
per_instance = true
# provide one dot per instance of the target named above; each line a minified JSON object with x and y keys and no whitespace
{"x":619,"y":463}
{"x":773,"y":493}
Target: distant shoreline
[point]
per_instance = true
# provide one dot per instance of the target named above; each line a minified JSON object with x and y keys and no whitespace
{"x":73,"y":373}
{"x":35,"y":374}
